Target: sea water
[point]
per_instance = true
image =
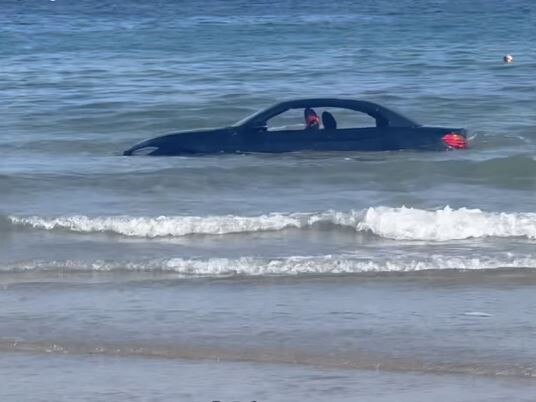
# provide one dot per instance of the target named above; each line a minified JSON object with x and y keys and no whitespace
{"x":309,"y":276}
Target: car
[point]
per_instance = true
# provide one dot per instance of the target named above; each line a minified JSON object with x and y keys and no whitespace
{"x":347,"y":125}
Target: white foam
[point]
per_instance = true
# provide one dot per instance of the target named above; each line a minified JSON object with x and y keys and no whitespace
{"x":446,"y":224}
{"x":477,"y":314}
{"x":185,"y":225}
{"x":289,"y":266}
{"x":393,"y":223}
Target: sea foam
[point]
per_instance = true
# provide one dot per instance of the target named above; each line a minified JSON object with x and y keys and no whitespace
{"x":288,"y":266}
{"x":393,"y":223}
{"x":446,"y":224}
{"x":187,"y":225}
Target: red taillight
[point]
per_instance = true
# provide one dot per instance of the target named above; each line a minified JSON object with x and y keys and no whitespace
{"x":455,"y":141}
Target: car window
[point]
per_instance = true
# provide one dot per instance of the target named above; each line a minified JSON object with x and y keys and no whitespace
{"x":292,"y":119}
{"x":348,"y":118}
{"x":341,"y":118}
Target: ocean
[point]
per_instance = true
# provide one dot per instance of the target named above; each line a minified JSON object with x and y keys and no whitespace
{"x":406,"y":276}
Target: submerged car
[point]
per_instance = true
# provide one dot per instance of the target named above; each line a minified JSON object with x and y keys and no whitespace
{"x":345,"y":125}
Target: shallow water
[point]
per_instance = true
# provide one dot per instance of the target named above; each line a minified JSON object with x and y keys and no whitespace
{"x":417,"y":266}
{"x":135,"y":379}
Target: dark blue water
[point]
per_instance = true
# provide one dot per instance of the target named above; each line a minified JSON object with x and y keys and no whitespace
{"x":101,"y":253}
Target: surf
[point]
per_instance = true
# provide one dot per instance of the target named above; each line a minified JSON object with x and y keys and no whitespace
{"x":402,"y":223}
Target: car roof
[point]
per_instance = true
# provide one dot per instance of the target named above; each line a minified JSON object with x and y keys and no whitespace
{"x":386,"y":116}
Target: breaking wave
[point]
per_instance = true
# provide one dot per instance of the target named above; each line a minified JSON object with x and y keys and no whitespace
{"x":289,"y":266}
{"x":392,"y":223}
{"x":447,"y":224}
{"x":186,"y":225}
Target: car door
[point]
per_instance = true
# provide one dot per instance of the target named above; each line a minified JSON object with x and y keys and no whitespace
{"x":352,"y":130}
{"x":284,"y":132}
{"x":287,"y":141}
{"x":361,"y":139}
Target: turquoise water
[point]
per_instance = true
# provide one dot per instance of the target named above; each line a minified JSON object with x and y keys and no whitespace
{"x":371,"y":265}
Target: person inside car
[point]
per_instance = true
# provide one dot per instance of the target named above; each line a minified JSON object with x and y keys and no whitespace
{"x":312,"y":121}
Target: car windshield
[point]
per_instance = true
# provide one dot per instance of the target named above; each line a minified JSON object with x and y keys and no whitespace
{"x":251,"y":116}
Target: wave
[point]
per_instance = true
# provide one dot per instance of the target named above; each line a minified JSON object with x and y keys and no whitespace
{"x":392,"y":223}
{"x":447,"y":224}
{"x":169,"y":226}
{"x":289,"y":266}
{"x":287,"y":355}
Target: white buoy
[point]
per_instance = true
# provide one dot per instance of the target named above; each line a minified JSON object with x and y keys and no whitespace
{"x":508,"y":59}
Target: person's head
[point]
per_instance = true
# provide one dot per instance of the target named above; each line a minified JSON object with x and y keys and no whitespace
{"x":311,"y":118}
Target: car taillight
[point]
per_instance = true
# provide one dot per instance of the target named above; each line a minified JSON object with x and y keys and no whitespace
{"x":455,"y":141}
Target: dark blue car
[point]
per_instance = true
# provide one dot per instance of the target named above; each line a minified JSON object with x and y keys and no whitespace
{"x":323,"y":124}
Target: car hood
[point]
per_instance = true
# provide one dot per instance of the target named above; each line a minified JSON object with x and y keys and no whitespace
{"x":158,"y":141}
